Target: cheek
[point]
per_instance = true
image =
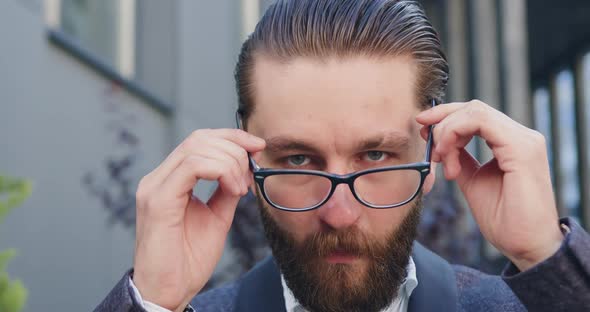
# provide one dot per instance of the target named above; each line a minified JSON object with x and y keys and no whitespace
{"x":299,"y":224}
{"x":382,"y":222}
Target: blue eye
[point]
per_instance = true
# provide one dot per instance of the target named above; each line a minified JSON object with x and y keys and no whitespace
{"x":375,"y":155}
{"x":298,"y":160}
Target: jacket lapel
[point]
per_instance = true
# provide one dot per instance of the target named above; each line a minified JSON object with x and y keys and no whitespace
{"x":261,"y":290}
{"x":437,"y":287}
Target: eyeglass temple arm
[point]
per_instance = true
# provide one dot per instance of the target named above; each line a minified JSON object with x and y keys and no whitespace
{"x":253,"y":165}
{"x":430,"y":141}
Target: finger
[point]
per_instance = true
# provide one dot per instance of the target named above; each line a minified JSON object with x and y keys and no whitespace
{"x":195,"y":141}
{"x":223,"y":205}
{"x":446,"y":138}
{"x":439,"y":112}
{"x":237,"y":153}
{"x":475,"y":119}
{"x":424,"y":132}
{"x":248,"y":141}
{"x":229,"y":162}
{"x":448,"y":146}
{"x":469,"y":166}
{"x":195,"y":167}
{"x":451,"y":164}
{"x":155,"y":178}
{"x":226,"y":151}
{"x":435,"y":158}
{"x":209,"y":151}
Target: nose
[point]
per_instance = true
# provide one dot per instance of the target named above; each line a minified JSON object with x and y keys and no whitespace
{"x":341,"y":210}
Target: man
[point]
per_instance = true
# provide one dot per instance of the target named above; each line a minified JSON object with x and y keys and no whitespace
{"x":337,"y":106}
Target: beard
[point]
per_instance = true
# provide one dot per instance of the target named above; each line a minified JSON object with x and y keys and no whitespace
{"x":321,"y":286}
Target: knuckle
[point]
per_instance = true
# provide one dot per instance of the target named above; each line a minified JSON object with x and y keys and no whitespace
{"x":199,"y":134}
{"x":203,"y":131}
{"x":439,"y":129}
{"x":189,"y":144}
{"x":476,"y":108}
{"x":238,"y":160}
{"x":242,"y":154}
{"x":192,"y":161}
{"x":538,"y":139}
{"x":196,"y":133}
{"x":141,"y":192}
{"x":538,"y":136}
{"x":479,"y":103}
{"x":228,"y":132}
{"x":235,"y":167}
{"x":532,"y":144}
{"x":151,"y":206}
{"x":236,"y":131}
{"x":243,"y":157}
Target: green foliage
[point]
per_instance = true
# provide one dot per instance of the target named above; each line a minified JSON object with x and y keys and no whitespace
{"x":12,"y":193}
{"x":13,"y":294}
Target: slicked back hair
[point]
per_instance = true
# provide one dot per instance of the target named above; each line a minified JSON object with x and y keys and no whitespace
{"x":344,"y":28}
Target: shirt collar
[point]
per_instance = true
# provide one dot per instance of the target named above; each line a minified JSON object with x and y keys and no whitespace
{"x":403,"y":293}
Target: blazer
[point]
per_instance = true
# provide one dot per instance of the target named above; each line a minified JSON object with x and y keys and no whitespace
{"x":560,"y":283}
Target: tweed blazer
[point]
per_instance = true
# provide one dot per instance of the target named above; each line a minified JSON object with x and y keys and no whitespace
{"x":560,"y":283}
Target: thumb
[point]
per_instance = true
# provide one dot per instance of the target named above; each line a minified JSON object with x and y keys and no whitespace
{"x":223,"y":204}
{"x":469,"y":165}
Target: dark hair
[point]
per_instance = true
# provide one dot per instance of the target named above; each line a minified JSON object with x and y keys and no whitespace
{"x":341,"y":28}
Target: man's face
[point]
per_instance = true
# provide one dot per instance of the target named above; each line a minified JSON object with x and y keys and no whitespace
{"x":339,"y":116}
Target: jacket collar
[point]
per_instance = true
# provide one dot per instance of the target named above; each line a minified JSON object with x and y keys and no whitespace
{"x":437,"y":287}
{"x":261,"y":290}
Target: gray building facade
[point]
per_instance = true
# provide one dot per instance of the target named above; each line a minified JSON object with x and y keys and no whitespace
{"x":94,"y":94}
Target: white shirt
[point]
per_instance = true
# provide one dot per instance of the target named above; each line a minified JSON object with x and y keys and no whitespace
{"x":399,"y":304}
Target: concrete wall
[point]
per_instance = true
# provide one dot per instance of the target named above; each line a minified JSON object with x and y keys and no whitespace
{"x":61,"y":123}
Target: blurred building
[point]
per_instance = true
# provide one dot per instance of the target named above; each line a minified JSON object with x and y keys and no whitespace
{"x":531,"y":60}
{"x":94,"y":94}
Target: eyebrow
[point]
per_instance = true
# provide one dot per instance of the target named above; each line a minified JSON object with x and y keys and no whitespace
{"x":282,"y":144}
{"x":388,"y":140}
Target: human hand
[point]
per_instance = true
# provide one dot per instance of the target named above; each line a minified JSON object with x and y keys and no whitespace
{"x":180,"y":239}
{"x":511,"y":196}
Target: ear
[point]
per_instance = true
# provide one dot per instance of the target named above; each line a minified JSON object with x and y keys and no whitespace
{"x":429,"y":182}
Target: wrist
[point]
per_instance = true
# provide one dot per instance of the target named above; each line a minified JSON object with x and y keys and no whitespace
{"x":529,"y":259}
{"x":168,"y":300}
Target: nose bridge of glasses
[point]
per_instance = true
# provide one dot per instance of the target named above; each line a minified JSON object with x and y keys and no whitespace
{"x":338,"y":179}
{"x":342,"y":194}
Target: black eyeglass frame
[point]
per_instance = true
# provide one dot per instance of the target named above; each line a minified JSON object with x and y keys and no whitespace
{"x":260,"y":174}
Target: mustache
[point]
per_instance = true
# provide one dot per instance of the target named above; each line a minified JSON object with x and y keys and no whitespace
{"x":351,"y":241}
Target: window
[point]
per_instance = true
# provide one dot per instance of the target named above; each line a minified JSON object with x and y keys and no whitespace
{"x":129,"y":41}
{"x":105,"y":28}
{"x":568,"y":154}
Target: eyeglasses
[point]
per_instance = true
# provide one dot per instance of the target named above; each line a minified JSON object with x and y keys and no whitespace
{"x":304,"y":190}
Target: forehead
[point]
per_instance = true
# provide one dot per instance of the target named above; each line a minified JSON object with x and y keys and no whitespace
{"x":335,"y":101}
